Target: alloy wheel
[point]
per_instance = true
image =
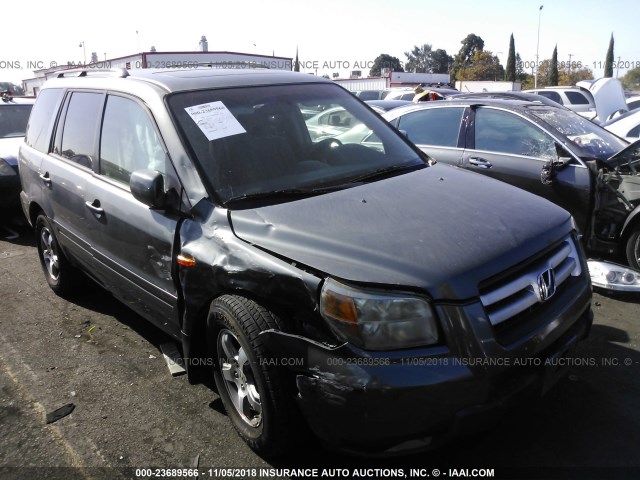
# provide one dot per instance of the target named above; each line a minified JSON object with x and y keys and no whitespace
{"x":49,"y":254}
{"x":239,"y":378}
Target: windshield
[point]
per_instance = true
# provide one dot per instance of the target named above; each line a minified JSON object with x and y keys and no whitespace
{"x":257,"y":140}
{"x":590,"y":139}
{"x":13,"y":120}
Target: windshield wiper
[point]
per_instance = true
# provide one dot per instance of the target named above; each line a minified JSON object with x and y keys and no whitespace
{"x":281,"y":194}
{"x":384,"y":171}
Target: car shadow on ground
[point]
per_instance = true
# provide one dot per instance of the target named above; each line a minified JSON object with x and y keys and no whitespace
{"x":95,"y":298}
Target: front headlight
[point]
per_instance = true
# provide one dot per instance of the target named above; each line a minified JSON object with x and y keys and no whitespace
{"x":612,"y":276}
{"x":378,"y":320}
{"x":5,"y":169}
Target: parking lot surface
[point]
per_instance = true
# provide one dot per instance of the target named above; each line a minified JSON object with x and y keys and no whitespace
{"x":131,"y":414}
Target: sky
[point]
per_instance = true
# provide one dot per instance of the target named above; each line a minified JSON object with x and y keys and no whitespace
{"x":331,"y":36}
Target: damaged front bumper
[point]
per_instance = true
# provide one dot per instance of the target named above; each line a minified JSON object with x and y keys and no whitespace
{"x":397,"y":401}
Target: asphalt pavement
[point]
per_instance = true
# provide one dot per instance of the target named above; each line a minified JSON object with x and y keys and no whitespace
{"x":132,"y":419}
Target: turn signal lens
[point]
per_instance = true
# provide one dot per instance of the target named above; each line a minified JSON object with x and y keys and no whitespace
{"x":185,"y":260}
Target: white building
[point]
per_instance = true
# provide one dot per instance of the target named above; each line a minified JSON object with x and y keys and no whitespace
{"x":391,"y":79}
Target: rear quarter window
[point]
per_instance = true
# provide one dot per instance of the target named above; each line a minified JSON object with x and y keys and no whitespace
{"x":42,"y":119}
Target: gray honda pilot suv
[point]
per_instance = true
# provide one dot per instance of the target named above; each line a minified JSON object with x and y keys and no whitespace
{"x":388,"y":301}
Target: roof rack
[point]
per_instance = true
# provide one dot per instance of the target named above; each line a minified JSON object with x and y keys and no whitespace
{"x":84,"y":72}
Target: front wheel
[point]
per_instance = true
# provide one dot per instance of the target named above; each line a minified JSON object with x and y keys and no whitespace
{"x":251,"y":389}
{"x":633,"y":248}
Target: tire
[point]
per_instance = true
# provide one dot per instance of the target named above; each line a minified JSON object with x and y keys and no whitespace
{"x":251,"y":389}
{"x":60,"y":275}
{"x":633,"y":248}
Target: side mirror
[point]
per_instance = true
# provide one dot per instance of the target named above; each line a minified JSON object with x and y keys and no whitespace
{"x":562,"y":162}
{"x":147,"y":186}
{"x":564,"y":157}
{"x":405,"y":133}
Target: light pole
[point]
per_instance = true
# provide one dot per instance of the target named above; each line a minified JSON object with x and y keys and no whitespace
{"x":84,"y":51}
{"x":535,"y":80}
{"x":618,"y":66}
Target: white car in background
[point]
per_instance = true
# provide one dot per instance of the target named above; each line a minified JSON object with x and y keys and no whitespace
{"x":598,"y":100}
{"x":626,"y":125}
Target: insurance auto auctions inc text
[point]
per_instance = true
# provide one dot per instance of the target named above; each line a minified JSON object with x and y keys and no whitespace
{"x":352,"y":473}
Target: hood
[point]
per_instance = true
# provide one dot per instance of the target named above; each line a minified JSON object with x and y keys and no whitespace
{"x":441,"y":230}
{"x":608,"y":97}
{"x":9,"y":149}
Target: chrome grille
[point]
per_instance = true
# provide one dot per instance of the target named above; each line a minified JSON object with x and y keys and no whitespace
{"x":536,"y":283}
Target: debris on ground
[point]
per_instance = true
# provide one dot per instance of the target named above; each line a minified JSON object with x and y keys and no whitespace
{"x":60,"y":413}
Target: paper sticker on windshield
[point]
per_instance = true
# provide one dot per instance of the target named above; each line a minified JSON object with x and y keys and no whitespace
{"x":215,"y":120}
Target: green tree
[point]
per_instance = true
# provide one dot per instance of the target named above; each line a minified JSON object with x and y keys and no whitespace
{"x":631,"y":79}
{"x":471,"y":44}
{"x":441,"y":61}
{"x":544,"y":72}
{"x":526,"y":80}
{"x":385,"y":60}
{"x":608,"y":63}
{"x":510,"y":74}
{"x":553,"y":72}
{"x":483,"y":65}
{"x":419,"y":60}
{"x":571,"y":76}
{"x":566,"y":75}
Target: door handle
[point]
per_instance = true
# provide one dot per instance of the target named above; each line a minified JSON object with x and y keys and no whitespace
{"x":480,"y":162}
{"x":45,"y":178}
{"x":95,"y":207}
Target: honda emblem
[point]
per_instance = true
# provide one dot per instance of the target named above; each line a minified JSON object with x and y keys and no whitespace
{"x":546,"y":285}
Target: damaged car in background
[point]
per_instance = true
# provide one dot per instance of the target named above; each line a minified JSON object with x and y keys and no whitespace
{"x":379,"y":298}
{"x":14,"y":114}
{"x":546,"y":150}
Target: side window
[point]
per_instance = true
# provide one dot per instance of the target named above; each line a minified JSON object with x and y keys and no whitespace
{"x":42,"y":118}
{"x":576,"y":98}
{"x":555,"y":96}
{"x":505,"y":132}
{"x":79,"y":131}
{"x":434,"y":126}
{"x":129,"y":141}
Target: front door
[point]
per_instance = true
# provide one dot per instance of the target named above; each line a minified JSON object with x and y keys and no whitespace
{"x":132,"y":244}
{"x":513,"y":149}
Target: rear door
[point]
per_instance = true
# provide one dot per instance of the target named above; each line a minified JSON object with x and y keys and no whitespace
{"x":511,"y":148}
{"x":132,"y":244}
{"x":66,"y":171}
{"x":438,"y":131}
